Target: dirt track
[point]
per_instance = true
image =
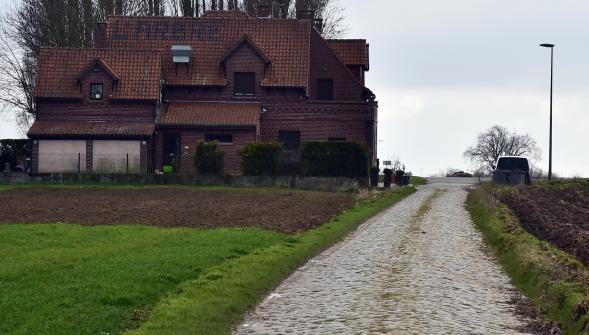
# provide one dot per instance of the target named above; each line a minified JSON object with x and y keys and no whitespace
{"x":282,"y":210}
{"x":557,"y":215}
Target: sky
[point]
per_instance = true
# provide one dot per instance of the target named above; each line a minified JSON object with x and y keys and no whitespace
{"x":443,"y":71}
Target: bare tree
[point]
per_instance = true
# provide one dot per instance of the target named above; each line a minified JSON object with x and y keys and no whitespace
{"x":16,"y":82}
{"x":498,"y":141}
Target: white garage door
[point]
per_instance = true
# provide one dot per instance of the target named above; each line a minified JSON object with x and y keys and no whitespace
{"x":62,"y":156}
{"x":116,"y":156}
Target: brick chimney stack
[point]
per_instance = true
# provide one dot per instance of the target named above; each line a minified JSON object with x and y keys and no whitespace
{"x":100,"y":35}
{"x":305,"y":14}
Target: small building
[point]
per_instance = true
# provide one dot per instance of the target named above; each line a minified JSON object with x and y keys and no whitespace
{"x":154,"y":86}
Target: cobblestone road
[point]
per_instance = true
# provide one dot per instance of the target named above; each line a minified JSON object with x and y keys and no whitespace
{"x":418,"y":268}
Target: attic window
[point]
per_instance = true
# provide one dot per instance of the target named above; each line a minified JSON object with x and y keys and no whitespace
{"x":96,"y":91}
{"x":245,"y":83}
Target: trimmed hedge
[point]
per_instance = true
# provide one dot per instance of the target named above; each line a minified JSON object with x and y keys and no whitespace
{"x":260,"y":158}
{"x":334,"y":159}
{"x":209,"y":159}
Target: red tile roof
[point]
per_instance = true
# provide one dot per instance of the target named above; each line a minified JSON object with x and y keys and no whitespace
{"x":285,"y":42}
{"x":351,"y":52}
{"x":81,"y":128}
{"x":211,"y":114}
{"x":138,"y":72}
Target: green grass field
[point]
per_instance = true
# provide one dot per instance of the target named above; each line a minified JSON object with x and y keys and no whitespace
{"x":70,"y":279}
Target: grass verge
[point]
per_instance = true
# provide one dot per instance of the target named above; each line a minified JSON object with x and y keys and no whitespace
{"x":557,"y":283}
{"x":70,"y":279}
{"x":216,"y":301}
{"x":415,"y":180}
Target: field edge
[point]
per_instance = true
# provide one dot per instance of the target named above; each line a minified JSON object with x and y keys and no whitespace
{"x":217,"y":301}
{"x":555,"y":282}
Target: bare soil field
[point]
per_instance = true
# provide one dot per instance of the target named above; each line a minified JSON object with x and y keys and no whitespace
{"x":281,"y":210}
{"x":557,"y":215}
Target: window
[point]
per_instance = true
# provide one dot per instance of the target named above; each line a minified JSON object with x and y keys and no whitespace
{"x":95,"y":91}
{"x":336,"y":139}
{"x":245,"y":83}
{"x":325,"y":89}
{"x":290,"y":139}
{"x":221,"y":138}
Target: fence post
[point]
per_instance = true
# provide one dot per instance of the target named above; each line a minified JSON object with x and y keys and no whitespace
{"x":79,"y":155}
{"x":127,"y":163}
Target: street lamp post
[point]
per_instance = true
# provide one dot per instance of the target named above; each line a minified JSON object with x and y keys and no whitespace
{"x":551,"y":46}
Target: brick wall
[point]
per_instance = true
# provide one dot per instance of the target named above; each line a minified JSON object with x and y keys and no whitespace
{"x":89,"y":155}
{"x":326,"y":65}
{"x":320,"y":121}
{"x":35,"y":157}
{"x":189,"y":139}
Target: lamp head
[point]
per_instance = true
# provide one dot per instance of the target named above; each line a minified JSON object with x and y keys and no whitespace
{"x":547,"y":45}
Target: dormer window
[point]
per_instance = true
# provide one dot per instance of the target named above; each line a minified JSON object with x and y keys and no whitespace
{"x":96,"y":91}
{"x":245,"y":83}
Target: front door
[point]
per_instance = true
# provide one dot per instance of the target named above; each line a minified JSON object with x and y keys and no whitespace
{"x":172,"y":151}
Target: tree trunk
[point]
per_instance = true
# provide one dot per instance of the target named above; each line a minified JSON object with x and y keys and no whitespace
{"x":186,"y":8}
{"x":119,"y":7}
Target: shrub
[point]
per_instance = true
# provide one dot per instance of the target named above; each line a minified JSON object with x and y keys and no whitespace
{"x":209,"y":158}
{"x":260,"y":158}
{"x":12,"y":150}
{"x":334,"y":159}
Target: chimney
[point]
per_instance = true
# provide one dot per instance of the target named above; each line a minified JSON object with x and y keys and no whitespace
{"x":264,"y":11}
{"x":318,"y":24}
{"x":305,"y":14}
{"x":100,"y":35}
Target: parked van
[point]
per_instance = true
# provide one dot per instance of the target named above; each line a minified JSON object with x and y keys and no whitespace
{"x":512,"y":170}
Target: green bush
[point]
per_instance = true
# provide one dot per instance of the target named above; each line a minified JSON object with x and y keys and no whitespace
{"x":260,"y":158}
{"x":334,"y":159}
{"x":209,"y":158}
{"x":10,"y":150}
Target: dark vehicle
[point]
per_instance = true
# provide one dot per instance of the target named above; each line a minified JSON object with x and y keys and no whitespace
{"x":459,"y":174}
{"x":512,"y":170}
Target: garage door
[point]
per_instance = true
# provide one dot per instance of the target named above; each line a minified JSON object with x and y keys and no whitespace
{"x":62,"y":156}
{"x":116,"y":156}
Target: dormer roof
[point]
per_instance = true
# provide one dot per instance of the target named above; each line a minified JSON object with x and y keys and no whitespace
{"x":97,"y":62}
{"x":137,"y":72}
{"x":352,"y":52}
{"x":245,"y":40}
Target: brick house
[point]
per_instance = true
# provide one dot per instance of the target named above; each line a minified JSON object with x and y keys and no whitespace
{"x":154,"y":86}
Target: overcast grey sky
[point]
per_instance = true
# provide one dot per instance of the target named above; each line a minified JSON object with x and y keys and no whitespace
{"x":445,"y":70}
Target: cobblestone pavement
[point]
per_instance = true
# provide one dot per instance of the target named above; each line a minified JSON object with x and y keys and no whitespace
{"x":418,"y":268}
